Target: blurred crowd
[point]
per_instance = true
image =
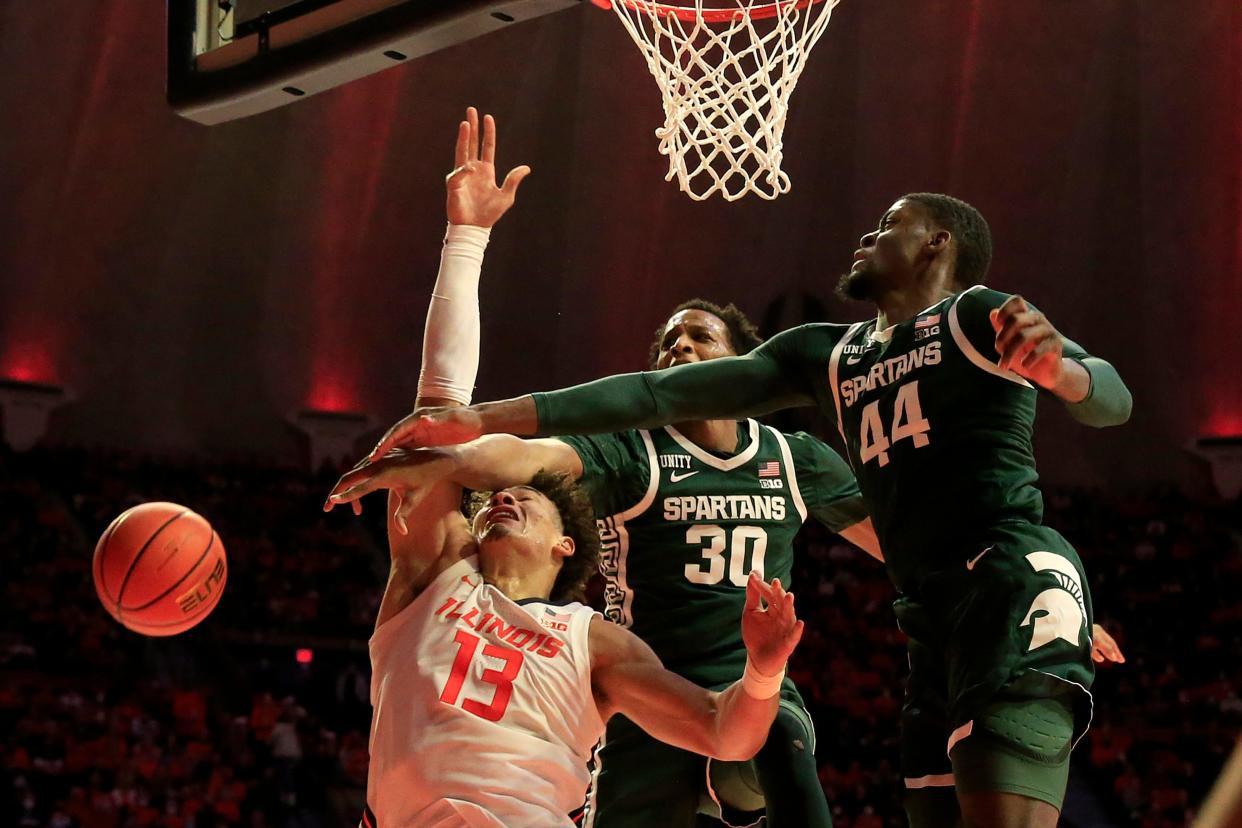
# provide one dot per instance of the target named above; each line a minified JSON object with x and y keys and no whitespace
{"x":259,"y":716}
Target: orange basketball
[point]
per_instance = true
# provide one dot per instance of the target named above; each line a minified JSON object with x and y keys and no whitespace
{"x":159,"y":568}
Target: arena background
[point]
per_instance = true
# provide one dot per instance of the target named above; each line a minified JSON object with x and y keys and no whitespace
{"x":192,"y":286}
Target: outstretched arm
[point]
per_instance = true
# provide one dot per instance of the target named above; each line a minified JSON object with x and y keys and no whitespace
{"x":767,"y":379}
{"x":489,"y":463}
{"x":733,"y":725}
{"x":428,"y":533}
{"x":474,"y":205}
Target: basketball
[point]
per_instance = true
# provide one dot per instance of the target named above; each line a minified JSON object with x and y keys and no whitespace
{"x":159,"y":569}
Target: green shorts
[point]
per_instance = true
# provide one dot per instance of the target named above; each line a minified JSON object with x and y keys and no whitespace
{"x":640,"y":781}
{"x":1000,"y":667}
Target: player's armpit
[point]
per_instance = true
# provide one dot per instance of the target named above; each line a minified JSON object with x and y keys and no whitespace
{"x":629,"y":679}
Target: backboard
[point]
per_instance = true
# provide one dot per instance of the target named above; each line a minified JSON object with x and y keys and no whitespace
{"x":228,"y":59}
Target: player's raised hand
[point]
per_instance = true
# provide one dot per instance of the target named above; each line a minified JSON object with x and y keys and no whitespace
{"x":473,"y":197}
{"x":430,"y":427}
{"x":410,"y":475}
{"x":1104,"y":647}
{"x":770,"y":633}
{"x":1027,"y":342}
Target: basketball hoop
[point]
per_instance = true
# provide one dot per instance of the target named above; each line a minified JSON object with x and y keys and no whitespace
{"x":726,"y":72}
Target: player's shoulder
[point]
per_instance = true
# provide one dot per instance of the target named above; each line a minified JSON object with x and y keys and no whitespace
{"x":612,"y":644}
{"x":815,"y":459}
{"x":979,"y":297}
{"x":616,"y":443}
{"x":812,"y":338}
{"x":803,"y":445}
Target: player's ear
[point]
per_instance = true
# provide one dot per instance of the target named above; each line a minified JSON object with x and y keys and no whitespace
{"x":939,"y":240}
{"x":564,"y":547}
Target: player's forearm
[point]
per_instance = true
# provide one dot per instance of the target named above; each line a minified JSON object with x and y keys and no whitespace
{"x":742,"y":723}
{"x":727,"y":388}
{"x":1094,"y":392}
{"x":451,"y":336}
{"x":501,"y":460}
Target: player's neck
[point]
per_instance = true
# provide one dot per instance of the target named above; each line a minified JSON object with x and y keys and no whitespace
{"x":713,"y":435}
{"x":516,"y":580}
{"x":897,"y":306}
{"x":519,"y":588}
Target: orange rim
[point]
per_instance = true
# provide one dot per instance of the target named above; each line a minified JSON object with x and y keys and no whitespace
{"x":709,"y":15}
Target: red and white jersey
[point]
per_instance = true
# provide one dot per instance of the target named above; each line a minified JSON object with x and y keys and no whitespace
{"x":483,"y":711}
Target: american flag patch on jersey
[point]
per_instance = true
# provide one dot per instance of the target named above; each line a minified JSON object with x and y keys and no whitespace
{"x":772,"y":468}
{"x":934,"y":319}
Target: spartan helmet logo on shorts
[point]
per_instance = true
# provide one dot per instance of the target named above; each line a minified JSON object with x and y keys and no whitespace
{"x":1064,"y":613}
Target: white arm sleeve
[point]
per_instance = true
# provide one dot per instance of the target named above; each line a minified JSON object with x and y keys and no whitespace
{"x":451,"y":338}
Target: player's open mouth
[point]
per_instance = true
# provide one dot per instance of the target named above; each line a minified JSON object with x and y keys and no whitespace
{"x":499,"y":513}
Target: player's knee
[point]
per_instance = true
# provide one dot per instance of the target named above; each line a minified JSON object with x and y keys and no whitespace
{"x":791,"y":735}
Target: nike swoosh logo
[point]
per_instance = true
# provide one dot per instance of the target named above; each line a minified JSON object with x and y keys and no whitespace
{"x":971,"y":563}
{"x":677,"y":477}
{"x":854,"y":360}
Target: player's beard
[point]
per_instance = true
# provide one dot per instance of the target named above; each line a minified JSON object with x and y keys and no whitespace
{"x":856,"y":285}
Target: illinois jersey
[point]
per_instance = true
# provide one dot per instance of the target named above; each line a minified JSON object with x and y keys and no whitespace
{"x":483,"y":710}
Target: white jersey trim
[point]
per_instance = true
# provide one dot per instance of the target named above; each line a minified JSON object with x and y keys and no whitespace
{"x":617,"y":523}
{"x":1090,"y":704}
{"x":794,"y":491}
{"x":936,"y":780}
{"x":833,"y":361}
{"x":958,"y":735}
{"x":968,"y":349}
{"x":709,"y":459}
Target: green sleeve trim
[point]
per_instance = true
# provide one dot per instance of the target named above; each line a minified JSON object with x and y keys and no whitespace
{"x":1108,"y":402}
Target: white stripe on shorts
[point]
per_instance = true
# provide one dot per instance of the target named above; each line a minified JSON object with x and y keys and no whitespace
{"x":939,"y":780}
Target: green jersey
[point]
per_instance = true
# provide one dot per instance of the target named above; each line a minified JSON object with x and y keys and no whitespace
{"x":683,"y":527}
{"x":938,"y":435}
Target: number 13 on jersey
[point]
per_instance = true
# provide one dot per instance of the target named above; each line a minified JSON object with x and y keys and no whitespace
{"x":908,"y":421}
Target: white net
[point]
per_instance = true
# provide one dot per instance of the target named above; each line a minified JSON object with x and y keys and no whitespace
{"x":726,"y":76}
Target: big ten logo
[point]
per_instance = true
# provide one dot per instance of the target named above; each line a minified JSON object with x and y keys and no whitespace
{"x":559,"y":626}
{"x":771,"y":484}
{"x":925,"y":332}
{"x":204,"y":589}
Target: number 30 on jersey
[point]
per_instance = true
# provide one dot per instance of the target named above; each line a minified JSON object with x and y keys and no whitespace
{"x":908,"y":421}
{"x":714,"y":539}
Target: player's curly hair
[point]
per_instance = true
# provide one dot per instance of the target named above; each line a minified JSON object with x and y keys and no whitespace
{"x":970,"y":230}
{"x":743,"y":335}
{"x":577,"y":521}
